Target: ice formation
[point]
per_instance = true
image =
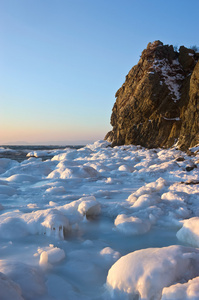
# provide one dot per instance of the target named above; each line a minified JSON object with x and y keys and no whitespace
{"x":144,"y":273}
{"x":68,"y":221}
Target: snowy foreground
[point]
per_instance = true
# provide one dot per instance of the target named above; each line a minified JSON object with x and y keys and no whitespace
{"x":100,"y":223}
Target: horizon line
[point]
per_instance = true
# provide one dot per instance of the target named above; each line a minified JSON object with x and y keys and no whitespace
{"x":48,"y":143}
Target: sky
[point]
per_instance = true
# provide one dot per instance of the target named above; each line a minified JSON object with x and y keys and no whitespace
{"x":62,"y":61}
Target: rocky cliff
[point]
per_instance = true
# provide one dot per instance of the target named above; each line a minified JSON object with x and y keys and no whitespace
{"x":158,"y":104}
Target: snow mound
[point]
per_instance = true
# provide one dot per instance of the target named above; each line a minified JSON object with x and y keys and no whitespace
{"x":185,"y":291}
{"x":148,"y":188}
{"x":7,"y":190}
{"x":50,"y":255}
{"x":10,"y":222}
{"x":54,"y":190}
{"x":145,"y":201}
{"x":130,"y":225}
{"x":89,"y":207}
{"x":110,"y":255}
{"x":6,"y":164}
{"x":126,"y":168}
{"x":144,"y":273}
{"x":189,"y":232}
{"x":9,"y":289}
{"x":98,"y":144}
{"x":56,"y":224}
{"x":73,"y":172}
{"x":29,"y":278}
{"x":22,"y":178}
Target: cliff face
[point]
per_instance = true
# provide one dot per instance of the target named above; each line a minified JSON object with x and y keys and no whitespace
{"x":158,"y":105}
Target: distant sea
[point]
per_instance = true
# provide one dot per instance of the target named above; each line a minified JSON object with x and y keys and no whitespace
{"x":19,"y":152}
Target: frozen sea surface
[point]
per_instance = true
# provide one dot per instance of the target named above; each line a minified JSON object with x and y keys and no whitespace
{"x":99,"y":223}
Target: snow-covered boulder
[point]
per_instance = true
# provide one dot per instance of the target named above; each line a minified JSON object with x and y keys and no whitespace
{"x":185,"y":291}
{"x":109,"y":254}
{"x":9,"y":289}
{"x":28,"y":281}
{"x":144,"y":273}
{"x":131,"y":225}
{"x":189,"y":232}
{"x":50,"y":255}
{"x":56,"y":224}
{"x":89,"y":207}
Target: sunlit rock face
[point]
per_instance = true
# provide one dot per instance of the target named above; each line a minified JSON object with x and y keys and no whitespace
{"x":157,"y":106}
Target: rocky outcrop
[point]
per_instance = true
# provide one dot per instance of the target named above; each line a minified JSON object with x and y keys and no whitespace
{"x":158,"y":104}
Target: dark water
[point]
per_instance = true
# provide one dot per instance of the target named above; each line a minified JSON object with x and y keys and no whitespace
{"x":19,"y":153}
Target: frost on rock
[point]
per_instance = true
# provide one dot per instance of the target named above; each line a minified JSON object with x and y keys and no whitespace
{"x":171,"y":75}
{"x":144,"y":273}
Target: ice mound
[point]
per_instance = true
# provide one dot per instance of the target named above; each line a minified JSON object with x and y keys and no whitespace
{"x":54,"y":190}
{"x":29,"y":278}
{"x":89,"y":207}
{"x":10,"y":222}
{"x":73,"y":172}
{"x":170,"y":196}
{"x":131,"y":225}
{"x":6,"y":164}
{"x":185,"y":291}
{"x":9,"y":289}
{"x":22,"y":178}
{"x":144,"y":273}
{"x":98,"y":144}
{"x":145,"y":201}
{"x":110,"y":255}
{"x":50,"y":255}
{"x":189,"y":232}
{"x":53,"y":201}
{"x":148,"y":188}
{"x":56,"y":224}
{"x":126,"y":168}
{"x":7,"y":190}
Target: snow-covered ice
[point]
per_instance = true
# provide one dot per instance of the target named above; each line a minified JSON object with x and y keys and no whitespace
{"x":144,"y":273}
{"x":100,"y":223}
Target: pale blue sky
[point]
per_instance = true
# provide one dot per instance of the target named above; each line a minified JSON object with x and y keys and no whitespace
{"x":62,"y":61}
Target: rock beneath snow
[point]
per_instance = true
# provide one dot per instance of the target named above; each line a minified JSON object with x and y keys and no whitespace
{"x":144,"y":273}
{"x":157,"y":105}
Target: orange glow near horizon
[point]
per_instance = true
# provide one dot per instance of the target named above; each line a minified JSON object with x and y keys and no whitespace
{"x":32,"y":136}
